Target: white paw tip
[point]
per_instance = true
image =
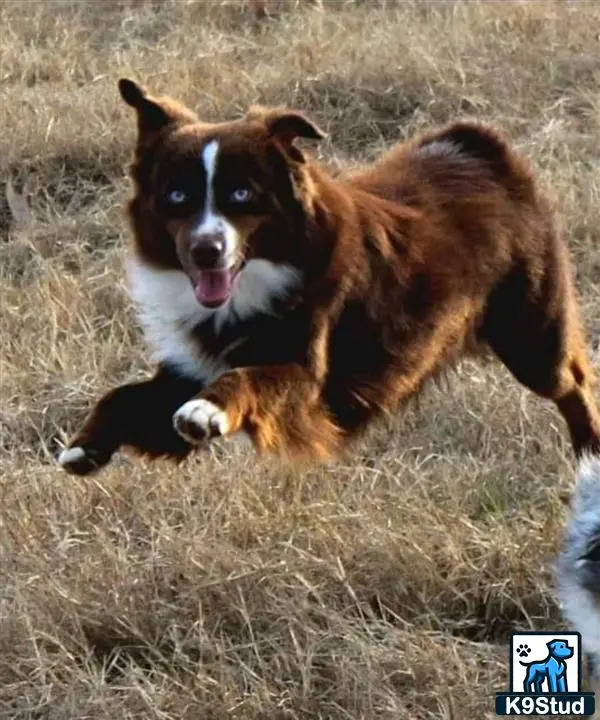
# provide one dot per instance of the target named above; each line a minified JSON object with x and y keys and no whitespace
{"x":71,"y":455}
{"x":208,"y":417}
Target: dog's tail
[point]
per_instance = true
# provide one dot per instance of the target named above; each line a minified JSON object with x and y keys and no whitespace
{"x":578,"y":565}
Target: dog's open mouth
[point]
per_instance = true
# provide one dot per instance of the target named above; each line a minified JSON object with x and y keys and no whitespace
{"x":214,"y":286}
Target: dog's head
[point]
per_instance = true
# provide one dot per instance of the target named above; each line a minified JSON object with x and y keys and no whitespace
{"x":214,"y":196}
{"x":560,"y":649}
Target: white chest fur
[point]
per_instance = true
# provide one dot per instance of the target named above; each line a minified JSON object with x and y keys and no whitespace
{"x":168,"y":310}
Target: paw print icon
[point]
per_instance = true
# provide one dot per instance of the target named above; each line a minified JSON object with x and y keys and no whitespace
{"x":523,"y":650}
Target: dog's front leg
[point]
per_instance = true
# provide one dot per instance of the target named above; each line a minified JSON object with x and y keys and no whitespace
{"x":137,"y":415}
{"x":279,"y":407}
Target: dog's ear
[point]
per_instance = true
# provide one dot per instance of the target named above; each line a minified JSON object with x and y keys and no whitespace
{"x":289,"y":125}
{"x":286,"y":126}
{"x":153,"y":113}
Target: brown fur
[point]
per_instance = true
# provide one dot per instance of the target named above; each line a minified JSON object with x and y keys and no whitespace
{"x":443,"y":247}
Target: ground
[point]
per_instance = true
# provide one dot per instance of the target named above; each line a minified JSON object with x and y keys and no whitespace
{"x":380,"y":586}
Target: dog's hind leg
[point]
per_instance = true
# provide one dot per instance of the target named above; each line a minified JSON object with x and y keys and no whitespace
{"x":532,"y":324}
{"x":539,"y":684}
{"x":531,"y":679}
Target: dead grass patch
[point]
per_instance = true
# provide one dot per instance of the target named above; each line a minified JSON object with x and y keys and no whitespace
{"x":381,"y":586}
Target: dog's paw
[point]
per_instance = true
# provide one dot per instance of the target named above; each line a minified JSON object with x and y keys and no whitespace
{"x":200,"y":420}
{"x":81,"y":461}
{"x":523,"y":650}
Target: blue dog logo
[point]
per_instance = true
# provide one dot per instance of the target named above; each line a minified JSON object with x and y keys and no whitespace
{"x":548,"y":687}
{"x":553,"y":669}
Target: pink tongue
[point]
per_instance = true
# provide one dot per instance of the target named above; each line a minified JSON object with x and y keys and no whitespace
{"x":213,"y":287}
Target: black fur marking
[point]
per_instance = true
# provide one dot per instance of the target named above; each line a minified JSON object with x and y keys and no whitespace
{"x":592,"y":552}
{"x":477,"y":143}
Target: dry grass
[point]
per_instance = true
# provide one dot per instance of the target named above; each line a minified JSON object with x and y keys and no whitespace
{"x":383,"y":586}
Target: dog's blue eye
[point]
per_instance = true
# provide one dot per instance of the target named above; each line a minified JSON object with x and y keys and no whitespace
{"x":176,"y":197}
{"x":241,"y":195}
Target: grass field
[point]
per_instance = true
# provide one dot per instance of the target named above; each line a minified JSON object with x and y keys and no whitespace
{"x":381,"y":586}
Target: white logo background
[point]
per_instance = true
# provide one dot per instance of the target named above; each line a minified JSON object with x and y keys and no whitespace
{"x":538,"y":653}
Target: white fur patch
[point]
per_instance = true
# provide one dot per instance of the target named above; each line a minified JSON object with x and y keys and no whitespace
{"x":207,"y":419}
{"x":257,"y":285}
{"x":212,"y":222}
{"x":71,"y":455}
{"x":169,"y":311}
{"x":209,"y":158}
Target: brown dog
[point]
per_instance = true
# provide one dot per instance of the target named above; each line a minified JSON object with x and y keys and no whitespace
{"x":297,"y":306}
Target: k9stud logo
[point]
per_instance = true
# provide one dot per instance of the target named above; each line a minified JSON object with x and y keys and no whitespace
{"x":545,"y":676}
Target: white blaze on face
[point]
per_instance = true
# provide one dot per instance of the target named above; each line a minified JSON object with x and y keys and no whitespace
{"x":213,"y":286}
{"x":248,"y":290}
{"x":212,"y":222}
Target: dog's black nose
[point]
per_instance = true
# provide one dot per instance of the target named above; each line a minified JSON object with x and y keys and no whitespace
{"x":208,"y":250}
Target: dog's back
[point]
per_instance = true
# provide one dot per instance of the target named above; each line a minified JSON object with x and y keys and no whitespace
{"x":476,"y":202}
{"x":578,"y":565}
